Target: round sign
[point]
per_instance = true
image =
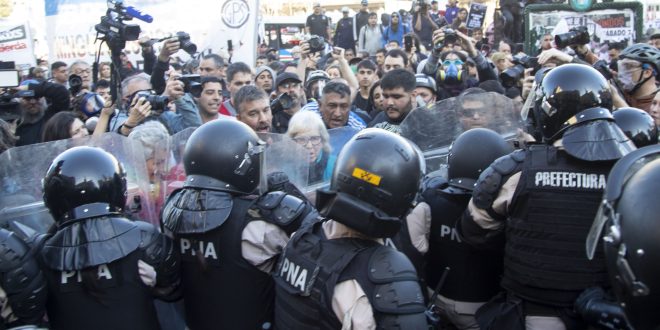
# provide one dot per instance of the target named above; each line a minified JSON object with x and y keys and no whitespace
{"x":235,"y":13}
{"x":581,"y":5}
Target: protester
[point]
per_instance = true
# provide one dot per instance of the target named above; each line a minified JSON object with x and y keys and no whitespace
{"x":308,"y":130}
{"x":64,"y":125}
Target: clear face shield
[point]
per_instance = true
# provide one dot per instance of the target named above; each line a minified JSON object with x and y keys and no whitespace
{"x":253,"y":159}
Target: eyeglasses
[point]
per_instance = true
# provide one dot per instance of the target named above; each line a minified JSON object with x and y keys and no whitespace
{"x":303,"y":140}
{"x":79,"y":72}
{"x":450,"y":62}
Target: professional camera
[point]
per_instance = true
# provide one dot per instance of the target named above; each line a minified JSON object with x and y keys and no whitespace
{"x":186,"y":44}
{"x":75,"y":84}
{"x":112,"y":28}
{"x":283,"y":102}
{"x":316,"y":44}
{"x":158,"y":102}
{"x":603,"y":68}
{"x":450,"y":38}
{"x":575,"y":36}
{"x":191,"y":84}
{"x":511,"y":76}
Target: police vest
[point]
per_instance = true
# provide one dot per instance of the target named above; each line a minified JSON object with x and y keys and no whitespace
{"x":221,"y":289}
{"x":312,"y":265}
{"x":553,"y":208}
{"x":474,"y":274}
{"x":96,"y":284}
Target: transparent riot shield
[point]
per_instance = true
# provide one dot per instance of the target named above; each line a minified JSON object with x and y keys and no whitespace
{"x":23,"y":168}
{"x":176,"y":174}
{"x":490,"y":110}
{"x":433,"y":130}
{"x":284,"y":155}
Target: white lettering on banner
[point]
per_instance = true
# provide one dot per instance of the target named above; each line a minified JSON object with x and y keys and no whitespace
{"x":453,"y":234}
{"x":294,"y":274}
{"x":102,"y":272}
{"x":570,"y":180}
{"x":208,"y":248}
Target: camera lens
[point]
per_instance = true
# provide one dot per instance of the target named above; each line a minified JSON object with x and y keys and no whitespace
{"x":511,"y":75}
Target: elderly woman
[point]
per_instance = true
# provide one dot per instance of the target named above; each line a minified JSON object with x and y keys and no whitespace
{"x":307,"y":129}
{"x":154,"y":138}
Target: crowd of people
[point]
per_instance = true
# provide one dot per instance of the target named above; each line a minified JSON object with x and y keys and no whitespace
{"x":494,"y":240}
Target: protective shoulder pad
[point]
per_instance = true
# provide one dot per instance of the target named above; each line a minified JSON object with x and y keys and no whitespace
{"x":492,"y":179}
{"x":389,"y":265}
{"x":21,"y":278}
{"x":280,"y":208}
{"x":397,"y":294}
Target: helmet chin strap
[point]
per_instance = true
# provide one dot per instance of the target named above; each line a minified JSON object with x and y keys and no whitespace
{"x":640,"y":82}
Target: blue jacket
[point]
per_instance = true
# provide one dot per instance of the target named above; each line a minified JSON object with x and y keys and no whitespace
{"x":388,"y":34}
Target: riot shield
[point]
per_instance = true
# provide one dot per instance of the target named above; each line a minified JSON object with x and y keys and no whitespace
{"x":176,"y":174}
{"x":284,"y":155}
{"x":23,"y":168}
{"x":433,"y":130}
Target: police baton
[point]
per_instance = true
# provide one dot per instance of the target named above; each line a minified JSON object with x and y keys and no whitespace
{"x":432,"y":313}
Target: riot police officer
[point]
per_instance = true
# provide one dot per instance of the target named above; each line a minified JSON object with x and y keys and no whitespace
{"x":102,"y":269}
{"x":629,"y":212}
{"x":544,"y":198}
{"x":473,"y":276}
{"x":22,"y":283}
{"x":336,"y":273}
{"x":229,"y":236}
{"x":638,"y":125}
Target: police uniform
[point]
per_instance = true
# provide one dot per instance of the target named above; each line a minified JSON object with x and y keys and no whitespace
{"x":93,"y":278}
{"x":103,"y":271}
{"x":228,"y":248}
{"x":548,"y":199}
{"x":335,"y":273}
{"x":229,"y":235}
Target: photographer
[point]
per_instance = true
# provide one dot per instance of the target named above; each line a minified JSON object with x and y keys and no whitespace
{"x":138,"y":109}
{"x":449,"y":74}
{"x":35,"y":109}
{"x":424,"y":24}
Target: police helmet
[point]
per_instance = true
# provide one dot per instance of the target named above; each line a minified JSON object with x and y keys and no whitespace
{"x":643,"y":53}
{"x":638,"y":125}
{"x":224,"y":154}
{"x":631,"y":243}
{"x":422,"y":80}
{"x":471,"y":153}
{"x":566,"y":91}
{"x":84,"y":182}
{"x":380,"y":168}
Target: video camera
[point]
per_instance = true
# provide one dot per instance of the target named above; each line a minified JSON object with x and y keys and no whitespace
{"x":575,"y":36}
{"x":112,"y":28}
{"x":511,"y":76}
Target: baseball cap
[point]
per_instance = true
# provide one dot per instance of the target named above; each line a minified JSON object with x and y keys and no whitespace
{"x":364,"y":2}
{"x":317,"y":4}
{"x":344,"y":9}
{"x":282,"y":77}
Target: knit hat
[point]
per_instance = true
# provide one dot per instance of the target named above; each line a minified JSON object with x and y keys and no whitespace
{"x":263,"y":68}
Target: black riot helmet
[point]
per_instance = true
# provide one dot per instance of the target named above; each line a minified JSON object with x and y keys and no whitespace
{"x":84,"y":182}
{"x":638,"y":125}
{"x":630,"y":214}
{"x":471,"y":153}
{"x":377,"y":174}
{"x":224,"y":154}
{"x":566,"y":91}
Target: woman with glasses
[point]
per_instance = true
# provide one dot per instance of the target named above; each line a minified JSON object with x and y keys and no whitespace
{"x":307,"y":129}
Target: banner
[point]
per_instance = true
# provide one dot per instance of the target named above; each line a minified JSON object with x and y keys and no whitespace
{"x":611,"y":25}
{"x":476,"y":16}
{"x":16,"y":44}
{"x":210,"y":23}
